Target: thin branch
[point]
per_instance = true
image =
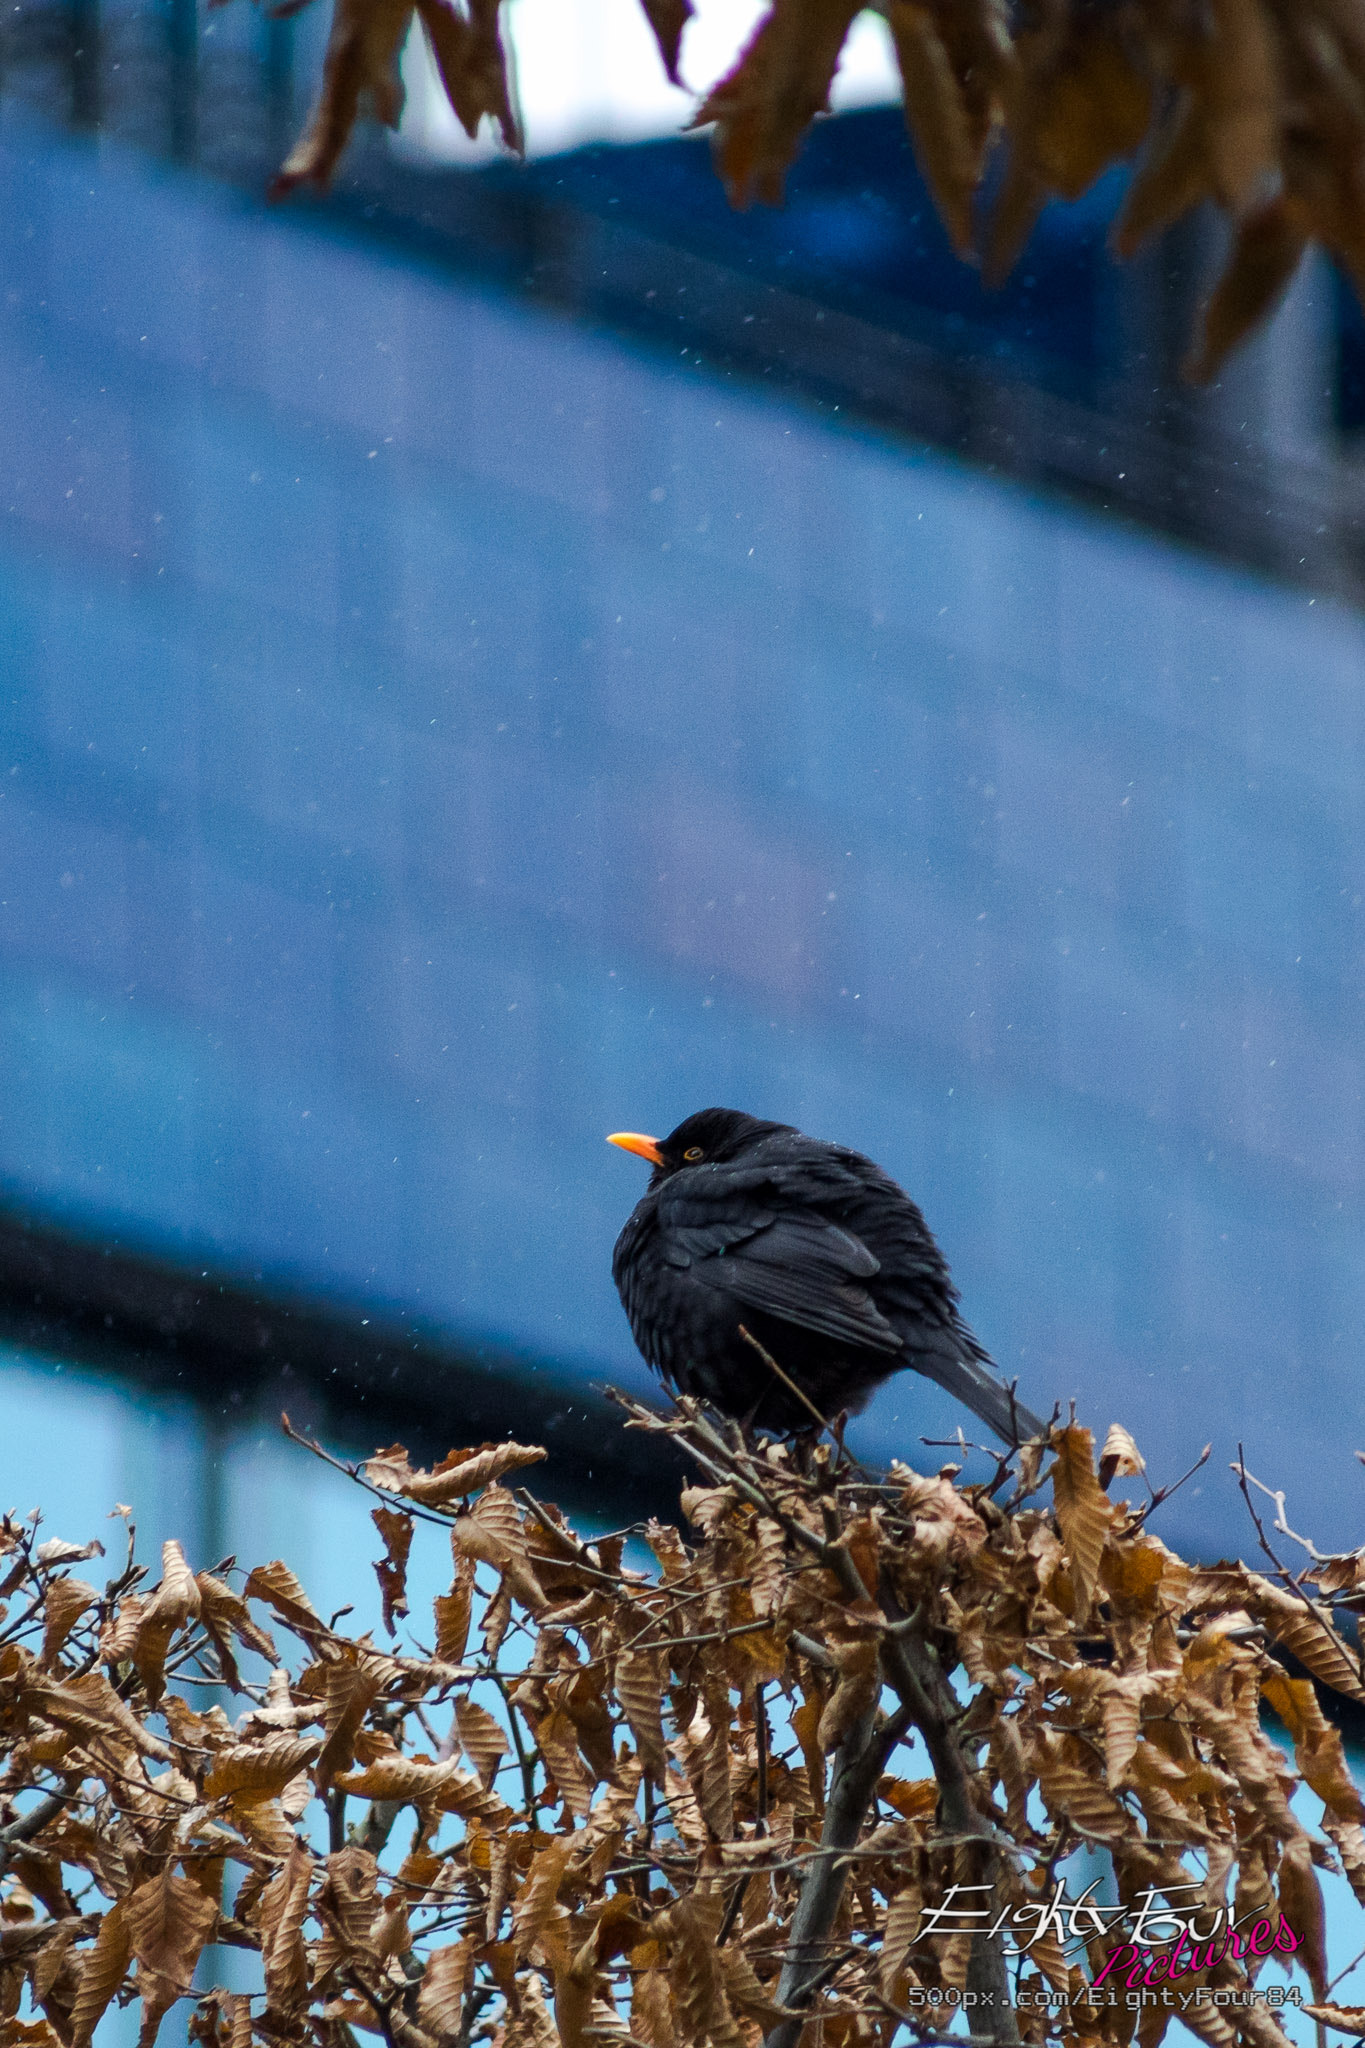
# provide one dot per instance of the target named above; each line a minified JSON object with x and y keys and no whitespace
{"x":858,"y":1767}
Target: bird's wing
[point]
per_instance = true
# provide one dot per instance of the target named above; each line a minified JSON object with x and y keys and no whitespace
{"x":791,"y":1263}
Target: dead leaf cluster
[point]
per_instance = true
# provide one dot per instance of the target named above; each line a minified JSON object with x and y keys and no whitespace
{"x":1254,"y":107}
{"x":713,"y":1795}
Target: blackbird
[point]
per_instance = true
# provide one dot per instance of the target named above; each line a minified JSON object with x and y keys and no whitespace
{"x":812,"y":1249}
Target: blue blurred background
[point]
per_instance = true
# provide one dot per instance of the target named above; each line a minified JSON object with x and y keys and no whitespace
{"x":454,"y":706}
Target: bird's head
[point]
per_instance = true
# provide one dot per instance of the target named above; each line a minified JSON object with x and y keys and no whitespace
{"x":709,"y":1137}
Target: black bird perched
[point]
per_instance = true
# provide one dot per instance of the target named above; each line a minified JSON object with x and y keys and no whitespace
{"x":811,"y":1248}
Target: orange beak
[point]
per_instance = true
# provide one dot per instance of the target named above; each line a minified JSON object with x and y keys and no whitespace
{"x":631,"y":1141}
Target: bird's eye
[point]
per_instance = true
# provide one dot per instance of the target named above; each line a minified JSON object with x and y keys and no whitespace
{"x":693,"y":1152}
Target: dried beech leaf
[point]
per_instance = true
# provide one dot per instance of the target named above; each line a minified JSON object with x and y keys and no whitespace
{"x":1241,"y":95}
{"x":1121,"y":1706}
{"x":1120,"y":1456}
{"x":446,"y":1978}
{"x":1093,"y":108}
{"x":259,"y":1770}
{"x":855,"y":1694}
{"x":1020,"y":200}
{"x":492,"y":1533}
{"x":351,"y":1691}
{"x":361,"y":62}
{"x":473,"y":68}
{"x":277,"y":1586}
{"x":57,"y":1551}
{"x":1307,"y":1634}
{"x":67,"y":1600}
{"x":1301,"y":1904}
{"x":540,"y":1893}
{"x":936,"y":116}
{"x":88,"y":1706}
{"x":481,"y":1738}
{"x":903,"y":1917}
{"x":102,"y":1973}
{"x":639,"y":1688}
{"x":452,"y":1611}
{"x":667,"y":19}
{"x":1264,"y":257}
{"x":765,"y":104}
{"x":1318,"y":1749}
{"x":459,"y":1473}
{"x":1172,"y":178}
{"x":392,"y":1569}
{"x":695,"y":1975}
{"x":175,"y":1601}
{"x":1082,"y":1509}
{"x":283,"y":1909}
{"x":169,"y":1920}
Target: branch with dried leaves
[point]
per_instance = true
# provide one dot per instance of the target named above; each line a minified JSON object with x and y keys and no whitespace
{"x":728,"y":1799}
{"x":1254,"y":107}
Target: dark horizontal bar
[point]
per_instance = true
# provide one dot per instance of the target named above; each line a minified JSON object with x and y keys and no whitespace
{"x":350,"y":1373}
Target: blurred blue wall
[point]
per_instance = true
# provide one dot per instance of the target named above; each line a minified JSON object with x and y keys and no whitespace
{"x":433,"y":735}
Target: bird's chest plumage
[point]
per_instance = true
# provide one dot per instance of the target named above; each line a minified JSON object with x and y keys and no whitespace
{"x":712,"y":1256}
{"x":673,"y":1315}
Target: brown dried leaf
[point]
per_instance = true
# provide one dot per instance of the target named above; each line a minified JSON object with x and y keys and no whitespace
{"x":1346,"y":2019}
{"x":459,"y":1472}
{"x":169,"y":1920}
{"x":251,"y":1771}
{"x":1265,"y":255}
{"x":392,"y":1569}
{"x":175,"y":1601}
{"x":902,"y":1923}
{"x":558,"y":1742}
{"x":282,"y":1911}
{"x":492,"y":1534}
{"x":1301,"y":1904}
{"x":1093,"y":108}
{"x":1318,"y":1748}
{"x":540,"y":1893}
{"x":89,"y":1706}
{"x":67,"y":1600}
{"x":1120,"y":1456}
{"x":57,"y":1551}
{"x":1172,"y":178}
{"x":1121,"y":1709}
{"x":452,"y":1612}
{"x":936,"y":116}
{"x":482,"y":1739}
{"x":805,"y":1722}
{"x":668,"y":1547}
{"x":1349,"y":1840}
{"x":1082,"y":1509}
{"x":855,"y":1694}
{"x":651,"y":2011}
{"x":277,"y":1586}
{"x":1240,"y":88}
{"x":446,"y":1978}
{"x":351,"y":1691}
{"x":1072,"y":1794}
{"x":361,"y":61}
{"x":668,"y":19}
{"x":763,"y":106}
{"x":1307,"y":1633}
{"x":695,"y":1976}
{"x":102,"y":1973}
{"x":473,"y":67}
{"x":639,"y":1688}
{"x":1018,"y":204}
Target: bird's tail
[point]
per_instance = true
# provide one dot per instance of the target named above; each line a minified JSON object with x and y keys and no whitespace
{"x":979,"y":1388}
